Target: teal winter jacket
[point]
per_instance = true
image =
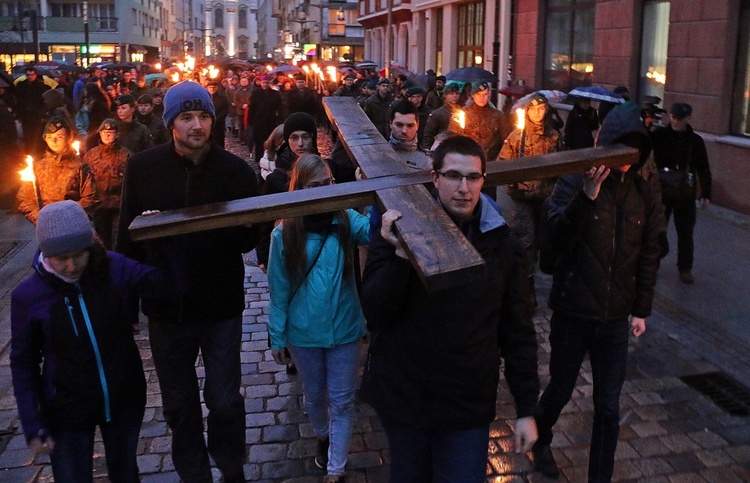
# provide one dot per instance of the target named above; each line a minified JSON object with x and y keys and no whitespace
{"x":324,"y":311}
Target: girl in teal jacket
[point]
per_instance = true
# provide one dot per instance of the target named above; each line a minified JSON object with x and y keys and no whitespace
{"x":315,"y":312}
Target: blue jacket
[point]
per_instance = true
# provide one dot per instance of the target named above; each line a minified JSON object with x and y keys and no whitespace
{"x":73,"y":358}
{"x":325,"y":311}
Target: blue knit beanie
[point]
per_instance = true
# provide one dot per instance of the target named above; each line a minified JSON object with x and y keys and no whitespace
{"x":186,"y":96}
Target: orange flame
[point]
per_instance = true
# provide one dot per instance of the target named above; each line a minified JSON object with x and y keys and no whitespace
{"x":27,"y":174}
{"x":77,"y":146}
{"x":520,"y":118}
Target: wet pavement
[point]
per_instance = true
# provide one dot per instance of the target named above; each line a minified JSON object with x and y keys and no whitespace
{"x":670,"y":432}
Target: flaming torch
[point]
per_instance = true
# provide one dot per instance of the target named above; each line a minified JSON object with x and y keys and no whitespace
{"x":460,"y":118}
{"x":77,"y":146}
{"x":27,"y":174}
{"x":520,"y":118}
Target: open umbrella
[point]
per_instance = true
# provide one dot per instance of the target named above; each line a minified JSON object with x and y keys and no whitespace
{"x":516,"y":90}
{"x":471,"y":74}
{"x":285,"y":69}
{"x":597,"y":93}
{"x":366,"y":64}
{"x":55,"y":65}
{"x":157,"y":76}
{"x":554,"y":97}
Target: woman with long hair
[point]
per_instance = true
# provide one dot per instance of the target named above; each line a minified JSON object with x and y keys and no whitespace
{"x":95,"y":102}
{"x":315,"y":312}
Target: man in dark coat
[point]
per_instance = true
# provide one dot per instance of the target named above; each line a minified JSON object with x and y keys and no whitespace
{"x":132,"y":134}
{"x":485,"y":124}
{"x":348,"y":89}
{"x":444,"y":118}
{"x":604,"y":227}
{"x":303,"y":98}
{"x":30,"y":109}
{"x":266,"y":112}
{"x":681,"y":153}
{"x":377,"y":106}
{"x":580,"y":126}
{"x":155,"y":125}
{"x":206,"y":315}
{"x":433,"y":365}
{"x":221,"y":104}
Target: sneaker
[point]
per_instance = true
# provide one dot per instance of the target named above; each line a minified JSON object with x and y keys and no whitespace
{"x":334,"y":479}
{"x":321,"y":458}
{"x":686,"y":277}
{"x":544,"y":461}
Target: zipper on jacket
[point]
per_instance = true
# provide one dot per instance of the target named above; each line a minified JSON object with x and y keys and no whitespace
{"x":614,"y":245}
{"x":70,"y":312}
{"x":97,"y":354}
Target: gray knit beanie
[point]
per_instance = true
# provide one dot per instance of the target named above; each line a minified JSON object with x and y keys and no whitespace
{"x":63,"y":227}
{"x":186,"y":96}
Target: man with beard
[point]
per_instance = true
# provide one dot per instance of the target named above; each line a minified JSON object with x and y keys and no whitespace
{"x":435,"y":97}
{"x":206,"y":315}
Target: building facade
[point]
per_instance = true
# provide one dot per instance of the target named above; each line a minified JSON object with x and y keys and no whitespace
{"x":268,"y":31}
{"x":123,"y":30}
{"x":232,"y":28}
{"x":184,"y":29}
{"x":693,"y":51}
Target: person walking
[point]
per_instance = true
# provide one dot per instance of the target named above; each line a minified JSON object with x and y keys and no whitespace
{"x":316,"y":315}
{"x":433,"y":365}
{"x":266,"y":112}
{"x":444,"y":118}
{"x":107,"y":162}
{"x":681,"y":157}
{"x":581,"y":124}
{"x":205,"y":317}
{"x":30,"y":109}
{"x":132,"y":134}
{"x":377,"y":106}
{"x":604,"y":226}
{"x":74,"y":362}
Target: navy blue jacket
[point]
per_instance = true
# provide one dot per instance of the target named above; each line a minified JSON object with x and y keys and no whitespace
{"x":73,"y":358}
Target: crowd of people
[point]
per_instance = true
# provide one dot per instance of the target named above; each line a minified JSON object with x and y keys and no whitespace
{"x":432,"y":368}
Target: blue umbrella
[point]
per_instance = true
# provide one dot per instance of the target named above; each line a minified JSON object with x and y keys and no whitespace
{"x":286,"y":69}
{"x":597,"y":93}
{"x":471,"y":74}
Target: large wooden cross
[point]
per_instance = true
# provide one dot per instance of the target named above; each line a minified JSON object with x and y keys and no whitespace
{"x":437,"y":249}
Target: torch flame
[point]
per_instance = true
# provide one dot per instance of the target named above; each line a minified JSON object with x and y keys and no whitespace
{"x":521,"y":118}
{"x":27,"y":174}
{"x":460,"y":118}
{"x":77,"y":146}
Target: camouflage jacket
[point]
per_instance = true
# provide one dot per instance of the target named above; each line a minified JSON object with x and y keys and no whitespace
{"x":534,"y":143}
{"x":108,"y":165}
{"x":488,"y":127}
{"x":58,"y":177}
{"x":440,"y":120}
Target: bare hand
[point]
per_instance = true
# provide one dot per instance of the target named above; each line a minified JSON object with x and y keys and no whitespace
{"x":150,"y":212}
{"x":637,"y":326}
{"x":526,"y":434}
{"x":359,"y":174}
{"x":279,"y":355}
{"x":40,"y":447}
{"x":388,"y":233}
{"x":592,"y":181}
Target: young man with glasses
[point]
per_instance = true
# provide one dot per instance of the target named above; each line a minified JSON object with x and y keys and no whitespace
{"x":432,"y":371}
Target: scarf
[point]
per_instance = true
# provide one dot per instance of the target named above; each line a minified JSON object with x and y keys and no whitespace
{"x":51,"y":270}
{"x":408,"y":146}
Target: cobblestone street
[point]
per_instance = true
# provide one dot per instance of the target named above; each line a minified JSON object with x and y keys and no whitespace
{"x":670,"y":432}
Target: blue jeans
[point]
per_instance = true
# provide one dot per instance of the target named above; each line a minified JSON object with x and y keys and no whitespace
{"x":432,"y":455}
{"x":175,"y":348}
{"x":72,"y":459}
{"x":607,"y":345}
{"x":329,"y":381}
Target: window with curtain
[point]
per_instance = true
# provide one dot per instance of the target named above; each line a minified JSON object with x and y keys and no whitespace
{"x":470,"y":45}
{"x":741,"y":93}
{"x":242,"y":18}
{"x":219,"y":18}
{"x":568,"y":44}
{"x":654,"y":41}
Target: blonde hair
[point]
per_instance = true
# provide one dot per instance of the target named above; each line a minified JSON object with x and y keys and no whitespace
{"x":274,"y":142}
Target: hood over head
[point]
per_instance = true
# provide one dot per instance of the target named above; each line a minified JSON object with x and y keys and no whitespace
{"x":623,"y":125}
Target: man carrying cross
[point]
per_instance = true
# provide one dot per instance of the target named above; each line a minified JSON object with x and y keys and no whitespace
{"x":432,"y":370}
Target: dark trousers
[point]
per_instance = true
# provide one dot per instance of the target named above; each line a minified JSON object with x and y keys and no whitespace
{"x":105,"y":224}
{"x":440,"y":456}
{"x":72,"y":459}
{"x":175,"y":347}
{"x":684,"y":222}
{"x":607,"y":345}
{"x":261,"y":134}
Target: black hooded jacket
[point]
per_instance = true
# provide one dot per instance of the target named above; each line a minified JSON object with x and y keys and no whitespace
{"x":608,"y":249}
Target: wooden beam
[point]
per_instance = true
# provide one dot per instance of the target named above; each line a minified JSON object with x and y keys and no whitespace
{"x":362,"y":193}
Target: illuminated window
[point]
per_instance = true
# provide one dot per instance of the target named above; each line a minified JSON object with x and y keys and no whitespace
{"x":654,"y":42}
{"x":569,"y":44}
{"x":470,"y":34}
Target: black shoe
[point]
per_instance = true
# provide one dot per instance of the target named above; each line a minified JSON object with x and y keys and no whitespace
{"x":686,"y":277}
{"x":291,"y":369}
{"x":544,"y":461}
{"x":321,"y":458}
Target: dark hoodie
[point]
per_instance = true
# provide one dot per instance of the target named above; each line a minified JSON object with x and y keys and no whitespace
{"x":608,"y":249}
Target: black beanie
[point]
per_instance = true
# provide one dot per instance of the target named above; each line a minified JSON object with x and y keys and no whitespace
{"x":300,"y":121}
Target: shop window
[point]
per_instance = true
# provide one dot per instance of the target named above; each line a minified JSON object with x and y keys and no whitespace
{"x":654,"y":41}
{"x":741,"y":104}
{"x":568,"y":44}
